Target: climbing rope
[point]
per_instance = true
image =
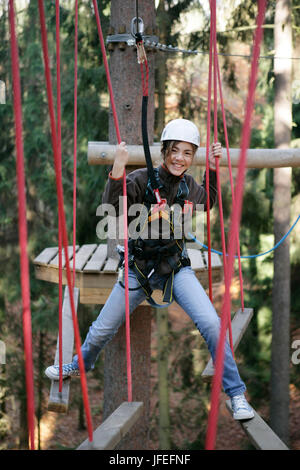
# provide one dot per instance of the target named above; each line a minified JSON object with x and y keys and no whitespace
{"x":59,"y":189}
{"x":58,"y":79}
{"x":250,"y":256}
{"x":230,"y":175}
{"x":142,"y":60}
{"x":208,"y":124}
{"x":117,"y":128}
{"x":58,"y":106}
{"x":234,"y":227}
{"x":22,"y":225}
{"x":75,"y":136}
{"x":219,"y":189}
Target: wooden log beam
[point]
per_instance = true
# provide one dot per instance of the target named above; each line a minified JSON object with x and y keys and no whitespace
{"x":239,"y":325}
{"x":59,"y":401}
{"x":114,"y":428}
{"x":259,"y":433}
{"x":102,"y":153}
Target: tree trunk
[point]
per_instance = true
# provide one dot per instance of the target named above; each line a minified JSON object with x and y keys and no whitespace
{"x":23,"y":427}
{"x":161,"y":67}
{"x":41,"y":362}
{"x":163,"y":389}
{"x":280,"y":362}
{"x":126,"y":81}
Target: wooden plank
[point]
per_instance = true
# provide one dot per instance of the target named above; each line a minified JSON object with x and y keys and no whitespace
{"x":58,"y":401}
{"x":115,"y":427}
{"x":91,"y":296}
{"x":111,"y":265}
{"x":46,"y":256}
{"x":94,"y":265}
{"x":196,"y":259}
{"x":82,"y":280}
{"x":82,"y":256}
{"x":54,"y":262}
{"x":239,"y":325}
{"x":216,"y":262}
{"x":259,"y":433}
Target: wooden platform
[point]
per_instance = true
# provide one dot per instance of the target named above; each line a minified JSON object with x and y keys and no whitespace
{"x":96,"y":273}
{"x":115,"y":427}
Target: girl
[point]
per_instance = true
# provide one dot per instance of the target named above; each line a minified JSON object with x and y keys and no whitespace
{"x":155,"y":262}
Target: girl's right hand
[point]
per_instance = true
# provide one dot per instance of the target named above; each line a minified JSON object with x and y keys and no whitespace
{"x":122,"y":155}
{"x":121,"y":160}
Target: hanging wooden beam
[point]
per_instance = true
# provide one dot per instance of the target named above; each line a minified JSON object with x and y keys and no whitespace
{"x":59,"y":401}
{"x":108,"y":435}
{"x":103,"y":153}
{"x":239,"y":325}
{"x":259,"y":433}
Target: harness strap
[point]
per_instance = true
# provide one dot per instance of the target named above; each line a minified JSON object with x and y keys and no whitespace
{"x":145,"y":285}
{"x":143,"y":278}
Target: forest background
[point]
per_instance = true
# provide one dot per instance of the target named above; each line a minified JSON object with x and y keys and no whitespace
{"x":185,"y":24}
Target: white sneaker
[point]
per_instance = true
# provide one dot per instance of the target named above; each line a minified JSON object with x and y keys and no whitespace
{"x":68,"y":370}
{"x":241,"y":408}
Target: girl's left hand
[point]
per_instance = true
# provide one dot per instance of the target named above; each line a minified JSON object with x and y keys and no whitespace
{"x":215,"y":151}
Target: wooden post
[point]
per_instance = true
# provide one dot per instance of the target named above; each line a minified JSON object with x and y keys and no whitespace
{"x":163,"y":384}
{"x":126,"y":82}
{"x":280,"y":360}
{"x":115,"y":378}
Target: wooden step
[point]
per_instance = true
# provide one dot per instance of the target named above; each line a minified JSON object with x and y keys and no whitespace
{"x":115,"y":427}
{"x":239,"y":325}
{"x":58,"y":401}
{"x":259,"y":433}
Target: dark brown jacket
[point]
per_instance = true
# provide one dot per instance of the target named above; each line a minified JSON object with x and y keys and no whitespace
{"x":137,"y":184}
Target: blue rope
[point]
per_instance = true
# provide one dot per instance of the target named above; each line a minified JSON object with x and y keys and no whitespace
{"x":249,"y":256}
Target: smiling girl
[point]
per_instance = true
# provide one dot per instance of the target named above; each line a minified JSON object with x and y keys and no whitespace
{"x":163,"y":264}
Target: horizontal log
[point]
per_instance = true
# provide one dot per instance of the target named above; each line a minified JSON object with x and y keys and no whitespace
{"x":103,"y":153}
{"x":239,"y":325}
{"x":115,"y":427}
{"x":59,"y":401}
{"x":259,"y":433}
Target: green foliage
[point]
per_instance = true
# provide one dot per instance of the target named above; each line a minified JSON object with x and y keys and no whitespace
{"x":42,"y":212}
{"x":189,"y":354}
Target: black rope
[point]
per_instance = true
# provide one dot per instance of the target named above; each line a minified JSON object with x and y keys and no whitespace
{"x":151,"y":173}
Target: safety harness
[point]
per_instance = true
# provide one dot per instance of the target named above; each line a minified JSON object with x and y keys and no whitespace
{"x":156,"y":251}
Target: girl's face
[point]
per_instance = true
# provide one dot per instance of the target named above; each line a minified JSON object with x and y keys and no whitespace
{"x":179,"y":158}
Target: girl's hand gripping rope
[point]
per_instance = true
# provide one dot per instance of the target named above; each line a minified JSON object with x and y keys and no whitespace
{"x":215,"y":151}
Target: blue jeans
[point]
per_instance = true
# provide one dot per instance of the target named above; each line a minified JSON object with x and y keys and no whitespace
{"x":191,"y":297}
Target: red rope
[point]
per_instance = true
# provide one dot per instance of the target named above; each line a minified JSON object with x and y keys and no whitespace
{"x":207,"y":169}
{"x":234,"y":228}
{"x":217,"y":71}
{"x":230,"y":178}
{"x":145,"y":80}
{"x":62,"y":216}
{"x":75,"y":136}
{"x":22,"y":224}
{"x":116,"y":122}
{"x":219,"y":189}
{"x":60,"y":345}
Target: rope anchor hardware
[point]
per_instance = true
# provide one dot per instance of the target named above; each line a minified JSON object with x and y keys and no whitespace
{"x":130,"y":41}
{"x":137,"y":26}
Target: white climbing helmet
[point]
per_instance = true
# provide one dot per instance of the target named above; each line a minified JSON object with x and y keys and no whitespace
{"x":183,"y":130}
